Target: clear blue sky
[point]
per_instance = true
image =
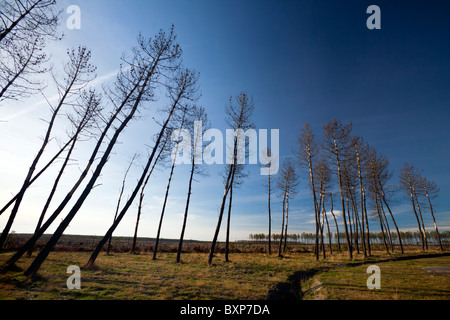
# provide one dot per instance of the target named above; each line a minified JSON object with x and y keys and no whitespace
{"x":301,"y":60}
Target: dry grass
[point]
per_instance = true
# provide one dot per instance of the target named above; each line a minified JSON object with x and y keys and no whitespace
{"x":128,"y":276}
{"x":249,"y":276}
{"x":400,"y":280}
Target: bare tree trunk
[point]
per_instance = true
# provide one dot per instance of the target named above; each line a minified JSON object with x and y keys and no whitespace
{"x":32,"y":168}
{"x":421,"y":218}
{"x":219,"y":221}
{"x":350,"y":222}
{"x":335,"y":221}
{"x":120,"y":197}
{"x":434,"y":220}
{"x":349,"y":245}
{"x":286,"y":222}
{"x":393,"y":220}
{"x":322,"y":242}
{"x":228,"y":185}
{"x":227,"y":241}
{"x":329,"y":233}
{"x":365,"y":246}
{"x":391,"y":242}
{"x":141,"y":196}
{"x":270,"y":218}
{"x":180,"y":244}
{"x":32,"y":241}
{"x":53,"y":191}
{"x":56,"y":156}
{"x":163,"y":211}
{"x":375,"y":194}
{"x":282,"y":227}
{"x":138,"y":186}
{"x":34,"y":267}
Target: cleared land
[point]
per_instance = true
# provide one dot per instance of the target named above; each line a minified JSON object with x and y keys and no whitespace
{"x":249,"y":276}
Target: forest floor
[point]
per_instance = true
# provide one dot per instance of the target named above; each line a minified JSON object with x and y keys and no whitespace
{"x":249,"y":276}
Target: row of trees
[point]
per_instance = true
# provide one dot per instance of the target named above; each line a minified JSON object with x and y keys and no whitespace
{"x":154,"y":65}
{"x":408,"y":237}
{"x":100,"y":117}
{"x":336,"y":166}
{"x":341,"y":167}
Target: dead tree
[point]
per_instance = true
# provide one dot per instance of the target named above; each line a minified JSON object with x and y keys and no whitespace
{"x":416,"y":192}
{"x":119,"y":200}
{"x":308,"y":149}
{"x":360,"y":157}
{"x":201,"y":124}
{"x":150,"y":59}
{"x":239,"y":119}
{"x":323,"y":180}
{"x":19,"y":65}
{"x":431,"y":190}
{"x":335,"y":222}
{"x":185,"y":89}
{"x":372,"y":176}
{"x":25,"y":18}
{"x":408,"y":184}
{"x":269,"y":187}
{"x":78,"y":73}
{"x":177,"y":138}
{"x":37,"y":175}
{"x":162,"y":154}
{"x":287,"y":184}
{"x":383,"y":176}
{"x":336,"y":142}
{"x":83,"y":119}
{"x":25,"y":26}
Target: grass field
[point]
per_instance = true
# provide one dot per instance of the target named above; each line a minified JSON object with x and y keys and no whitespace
{"x":249,"y":276}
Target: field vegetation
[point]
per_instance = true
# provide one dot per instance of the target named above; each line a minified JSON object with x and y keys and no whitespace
{"x":250,"y":274}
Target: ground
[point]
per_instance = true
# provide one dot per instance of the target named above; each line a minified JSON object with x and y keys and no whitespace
{"x":249,"y":276}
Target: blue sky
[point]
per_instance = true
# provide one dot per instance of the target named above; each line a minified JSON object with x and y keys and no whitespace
{"x":301,"y":60}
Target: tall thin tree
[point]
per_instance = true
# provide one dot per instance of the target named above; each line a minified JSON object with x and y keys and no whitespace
{"x":336,"y":142}
{"x":78,"y":73}
{"x":239,"y":119}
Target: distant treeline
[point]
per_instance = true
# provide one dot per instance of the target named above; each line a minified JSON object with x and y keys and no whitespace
{"x":408,"y":237}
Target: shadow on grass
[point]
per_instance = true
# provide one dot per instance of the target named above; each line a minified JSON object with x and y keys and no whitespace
{"x":291,"y":289}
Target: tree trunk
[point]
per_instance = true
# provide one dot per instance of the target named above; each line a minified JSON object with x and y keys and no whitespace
{"x":56,"y":156}
{"x":286,"y":222}
{"x":434,"y":220}
{"x":133,"y":195}
{"x":282,"y":227}
{"x":335,"y":221}
{"x":329,"y":233}
{"x":349,"y":245}
{"x":316,"y":210}
{"x":163,"y":211}
{"x":34,"y":267}
{"x":186,"y":210}
{"x":270,"y":219}
{"x":53,"y":191}
{"x":227,"y":241}
{"x":32,"y":168}
{"x":421,"y":218}
{"x":228,"y":184}
{"x":363,"y":206}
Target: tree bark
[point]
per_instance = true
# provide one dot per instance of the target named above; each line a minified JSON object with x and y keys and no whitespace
{"x":186,"y":210}
{"x":434,"y":220}
{"x":227,"y":241}
{"x":421,"y":218}
{"x":349,"y":245}
{"x":34,"y":267}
